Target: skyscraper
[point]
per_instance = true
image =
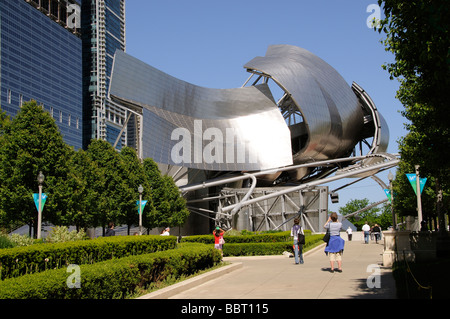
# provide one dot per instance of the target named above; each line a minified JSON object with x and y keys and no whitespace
{"x":41,"y":59}
{"x":103,"y":32}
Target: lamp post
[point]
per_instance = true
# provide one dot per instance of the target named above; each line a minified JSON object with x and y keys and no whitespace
{"x":391,"y":178}
{"x":40,"y":180}
{"x":419,"y":197}
{"x":140,"y":190}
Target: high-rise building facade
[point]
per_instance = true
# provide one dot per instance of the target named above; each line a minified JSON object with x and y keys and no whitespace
{"x":103,"y":32}
{"x":41,"y":59}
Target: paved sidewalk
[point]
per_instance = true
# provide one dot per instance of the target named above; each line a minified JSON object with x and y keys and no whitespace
{"x":278,"y":277}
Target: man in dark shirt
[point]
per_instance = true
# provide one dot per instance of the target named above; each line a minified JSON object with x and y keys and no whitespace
{"x":110,"y":231}
{"x":376,"y":232}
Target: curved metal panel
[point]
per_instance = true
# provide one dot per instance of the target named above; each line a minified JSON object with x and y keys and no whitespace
{"x":375,"y":127}
{"x":330,"y":109}
{"x":243,"y":129}
{"x":203,"y":128}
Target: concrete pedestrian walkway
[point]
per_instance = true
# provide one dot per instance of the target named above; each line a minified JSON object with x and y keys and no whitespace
{"x":278,"y":277}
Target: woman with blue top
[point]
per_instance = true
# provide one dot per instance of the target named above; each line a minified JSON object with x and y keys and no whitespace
{"x":335,"y":246}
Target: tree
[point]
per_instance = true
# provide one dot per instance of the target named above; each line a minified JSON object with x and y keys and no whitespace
{"x":170,"y":206}
{"x":374,"y":215}
{"x":89,"y":182}
{"x":4,"y":121}
{"x":418,"y":36}
{"x":134,"y":175}
{"x":357,"y":204}
{"x":109,"y":201}
{"x":405,"y":203}
{"x":29,"y":144}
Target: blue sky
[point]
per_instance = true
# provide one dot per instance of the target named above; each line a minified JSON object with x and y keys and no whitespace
{"x":208,"y":42}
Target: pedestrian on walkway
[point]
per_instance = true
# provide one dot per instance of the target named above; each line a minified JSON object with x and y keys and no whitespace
{"x":335,"y":247}
{"x":366,"y":230}
{"x":376,"y":232}
{"x":296,"y":232}
{"x":218,"y":239}
{"x":349,"y":232}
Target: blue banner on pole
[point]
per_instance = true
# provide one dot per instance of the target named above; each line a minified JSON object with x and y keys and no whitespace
{"x":144,"y":202}
{"x":388,"y":194}
{"x":413,"y":180}
{"x":43,"y":200}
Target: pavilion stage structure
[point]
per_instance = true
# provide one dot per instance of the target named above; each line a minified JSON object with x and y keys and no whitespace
{"x":257,"y":156}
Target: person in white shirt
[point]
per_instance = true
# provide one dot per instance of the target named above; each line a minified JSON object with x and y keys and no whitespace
{"x":366,"y":230}
{"x":349,"y":232}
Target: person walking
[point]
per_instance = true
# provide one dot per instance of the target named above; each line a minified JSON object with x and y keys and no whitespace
{"x":218,"y":239}
{"x":296,"y":232}
{"x":349,"y":232}
{"x":335,"y":247}
{"x":366,"y":230}
{"x":376,"y":232}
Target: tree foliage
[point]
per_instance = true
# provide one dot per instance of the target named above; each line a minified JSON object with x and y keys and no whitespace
{"x":417,"y":33}
{"x":169,"y":205}
{"x":381,"y":216}
{"x":32,"y":143}
{"x":85,"y":188}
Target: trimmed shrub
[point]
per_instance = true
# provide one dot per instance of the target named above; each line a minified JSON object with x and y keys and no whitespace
{"x":61,"y":234}
{"x":258,"y":238}
{"x":260,"y":249}
{"x":19,"y":261}
{"x":114,"y":279}
{"x":5,"y":242}
{"x":21,"y":240}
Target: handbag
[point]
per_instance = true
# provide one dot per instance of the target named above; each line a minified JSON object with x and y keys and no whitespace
{"x":221,"y":241}
{"x":300,"y":237}
{"x":326,"y":238}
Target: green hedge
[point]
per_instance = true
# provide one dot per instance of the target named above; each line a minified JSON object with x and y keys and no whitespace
{"x":272,"y":248}
{"x":112,"y":279}
{"x":259,"y":238}
{"x":19,"y":261}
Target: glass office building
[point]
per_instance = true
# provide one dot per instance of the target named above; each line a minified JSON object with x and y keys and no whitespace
{"x":41,"y":59}
{"x":103,"y":32}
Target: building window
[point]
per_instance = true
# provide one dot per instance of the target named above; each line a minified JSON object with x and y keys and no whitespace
{"x":20,"y":100}
{"x":70,"y":119}
{"x":60,"y":117}
{"x":9,"y":96}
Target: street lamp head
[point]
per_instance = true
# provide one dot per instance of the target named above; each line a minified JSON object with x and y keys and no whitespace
{"x":140,"y":189}
{"x":390,"y":176}
{"x":40,"y":178}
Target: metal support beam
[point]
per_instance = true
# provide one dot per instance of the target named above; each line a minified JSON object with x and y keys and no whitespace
{"x":391,"y":163}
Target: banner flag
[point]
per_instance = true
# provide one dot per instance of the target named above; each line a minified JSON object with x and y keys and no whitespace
{"x":388,"y":194}
{"x":43,"y":200}
{"x":412,"y":179}
{"x":144,"y":202}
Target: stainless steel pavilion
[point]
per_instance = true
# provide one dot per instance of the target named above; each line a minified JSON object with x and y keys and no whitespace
{"x":309,"y":133}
